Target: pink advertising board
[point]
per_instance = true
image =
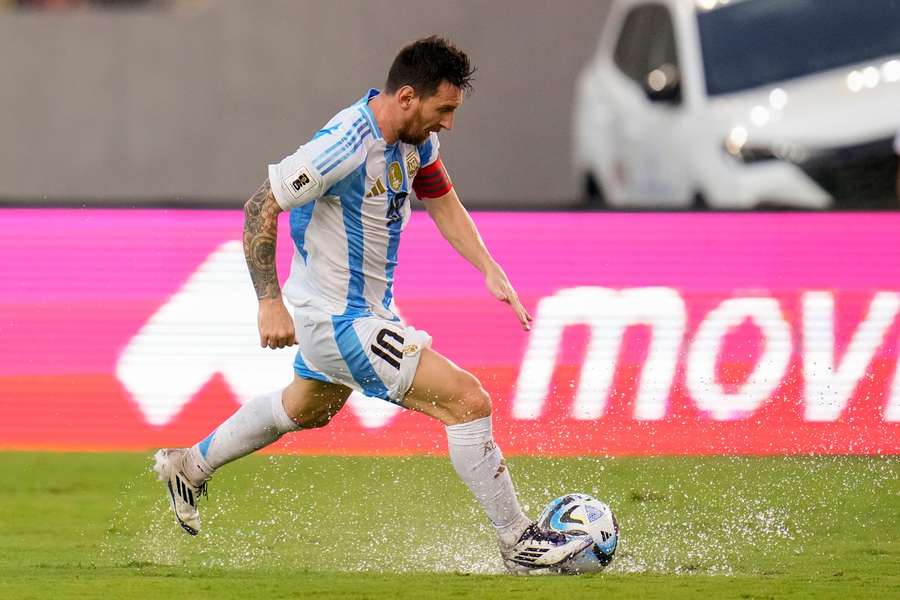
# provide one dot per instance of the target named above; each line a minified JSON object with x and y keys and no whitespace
{"x":653,"y":334}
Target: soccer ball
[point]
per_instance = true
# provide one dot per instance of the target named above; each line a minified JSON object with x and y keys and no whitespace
{"x":583,"y":515}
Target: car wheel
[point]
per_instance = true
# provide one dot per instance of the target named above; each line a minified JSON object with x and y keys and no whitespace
{"x":698,"y":202}
{"x":593,"y":193}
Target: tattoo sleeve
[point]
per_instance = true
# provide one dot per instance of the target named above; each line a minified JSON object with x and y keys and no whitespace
{"x":260,"y":234}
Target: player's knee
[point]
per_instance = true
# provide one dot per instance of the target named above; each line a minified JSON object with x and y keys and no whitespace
{"x":474,"y":401}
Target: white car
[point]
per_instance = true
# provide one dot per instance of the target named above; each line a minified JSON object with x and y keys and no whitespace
{"x":738,"y":104}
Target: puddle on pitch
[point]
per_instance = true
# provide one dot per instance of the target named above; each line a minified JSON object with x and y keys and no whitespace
{"x":712,"y":519}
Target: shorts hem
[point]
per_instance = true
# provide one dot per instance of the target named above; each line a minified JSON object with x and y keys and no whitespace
{"x":410,"y":365}
{"x":306,"y":374}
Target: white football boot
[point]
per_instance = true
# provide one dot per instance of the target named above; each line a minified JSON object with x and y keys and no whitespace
{"x":540,"y":551}
{"x":169,"y":468}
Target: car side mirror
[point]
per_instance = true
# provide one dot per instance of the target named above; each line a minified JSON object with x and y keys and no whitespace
{"x":663,"y":84}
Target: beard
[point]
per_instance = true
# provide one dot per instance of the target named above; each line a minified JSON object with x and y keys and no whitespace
{"x":413,"y":136}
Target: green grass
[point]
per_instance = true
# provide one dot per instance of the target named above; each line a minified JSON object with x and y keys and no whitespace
{"x":98,"y":526}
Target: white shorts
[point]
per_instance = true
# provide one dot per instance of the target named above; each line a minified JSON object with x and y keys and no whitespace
{"x":375,"y":356}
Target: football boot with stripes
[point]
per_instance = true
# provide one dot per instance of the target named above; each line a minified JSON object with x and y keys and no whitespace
{"x":540,"y":549}
{"x":183,"y":495}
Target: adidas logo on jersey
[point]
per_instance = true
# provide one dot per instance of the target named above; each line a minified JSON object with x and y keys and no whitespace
{"x":377,"y":189}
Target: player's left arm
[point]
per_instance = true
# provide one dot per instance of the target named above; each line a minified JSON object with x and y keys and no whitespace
{"x":458,"y":228}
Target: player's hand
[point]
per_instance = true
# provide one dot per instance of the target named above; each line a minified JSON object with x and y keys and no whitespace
{"x":276,"y":327}
{"x":498,"y":284}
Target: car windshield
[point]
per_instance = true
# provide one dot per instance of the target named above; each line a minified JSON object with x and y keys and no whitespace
{"x":757,"y":42}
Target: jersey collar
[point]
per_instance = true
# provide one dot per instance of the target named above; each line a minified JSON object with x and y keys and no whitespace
{"x":371,"y":116}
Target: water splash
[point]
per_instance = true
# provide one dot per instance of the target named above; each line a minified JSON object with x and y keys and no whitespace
{"x":282,"y":512}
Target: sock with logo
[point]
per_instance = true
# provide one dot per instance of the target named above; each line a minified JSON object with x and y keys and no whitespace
{"x":254,"y":425}
{"x":480,"y":464}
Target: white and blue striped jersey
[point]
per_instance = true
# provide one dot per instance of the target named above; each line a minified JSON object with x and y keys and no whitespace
{"x":347,"y":193}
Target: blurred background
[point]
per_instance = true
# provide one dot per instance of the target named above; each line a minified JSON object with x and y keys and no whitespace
{"x":642,"y":107}
{"x":186,"y":102}
{"x":600,"y":104}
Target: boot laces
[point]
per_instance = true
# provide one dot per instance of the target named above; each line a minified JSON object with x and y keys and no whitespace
{"x":536,"y":534}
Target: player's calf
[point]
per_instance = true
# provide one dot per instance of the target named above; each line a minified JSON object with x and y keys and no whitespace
{"x":311,"y":404}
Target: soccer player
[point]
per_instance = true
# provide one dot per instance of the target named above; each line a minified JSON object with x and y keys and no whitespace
{"x":347,"y":192}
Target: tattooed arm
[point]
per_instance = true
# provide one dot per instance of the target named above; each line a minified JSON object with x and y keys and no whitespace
{"x":276,"y":327}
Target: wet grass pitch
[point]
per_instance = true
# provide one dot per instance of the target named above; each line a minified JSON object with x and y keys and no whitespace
{"x":98,"y":526}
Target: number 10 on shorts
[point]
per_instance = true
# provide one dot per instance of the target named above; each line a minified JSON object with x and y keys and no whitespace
{"x":383,"y":348}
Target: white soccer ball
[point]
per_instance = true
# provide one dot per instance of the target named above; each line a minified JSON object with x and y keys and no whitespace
{"x":582,"y":515}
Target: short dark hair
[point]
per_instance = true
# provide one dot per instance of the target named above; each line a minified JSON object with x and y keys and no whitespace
{"x":427,"y":63}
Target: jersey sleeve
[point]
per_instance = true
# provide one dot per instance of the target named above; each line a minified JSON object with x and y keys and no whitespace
{"x":432,"y":180}
{"x":316,"y":166}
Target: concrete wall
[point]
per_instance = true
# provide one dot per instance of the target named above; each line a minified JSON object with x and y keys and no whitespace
{"x":194,"y":101}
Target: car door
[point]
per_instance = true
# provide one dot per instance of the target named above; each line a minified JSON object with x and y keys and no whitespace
{"x":650,"y":168}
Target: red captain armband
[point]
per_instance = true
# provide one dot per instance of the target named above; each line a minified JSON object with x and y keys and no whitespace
{"x":432,"y":181}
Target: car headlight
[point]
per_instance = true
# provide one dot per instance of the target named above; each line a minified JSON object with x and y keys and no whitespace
{"x":753,"y":154}
{"x":736,"y":145}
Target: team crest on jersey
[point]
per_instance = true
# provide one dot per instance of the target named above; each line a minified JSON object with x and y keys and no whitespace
{"x":377,"y":189}
{"x":412,"y":164}
{"x":395,"y":176}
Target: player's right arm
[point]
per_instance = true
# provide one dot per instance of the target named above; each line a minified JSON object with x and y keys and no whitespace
{"x":276,"y":327}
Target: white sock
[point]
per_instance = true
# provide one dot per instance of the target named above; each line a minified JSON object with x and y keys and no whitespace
{"x":479,"y":463}
{"x":254,"y":425}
